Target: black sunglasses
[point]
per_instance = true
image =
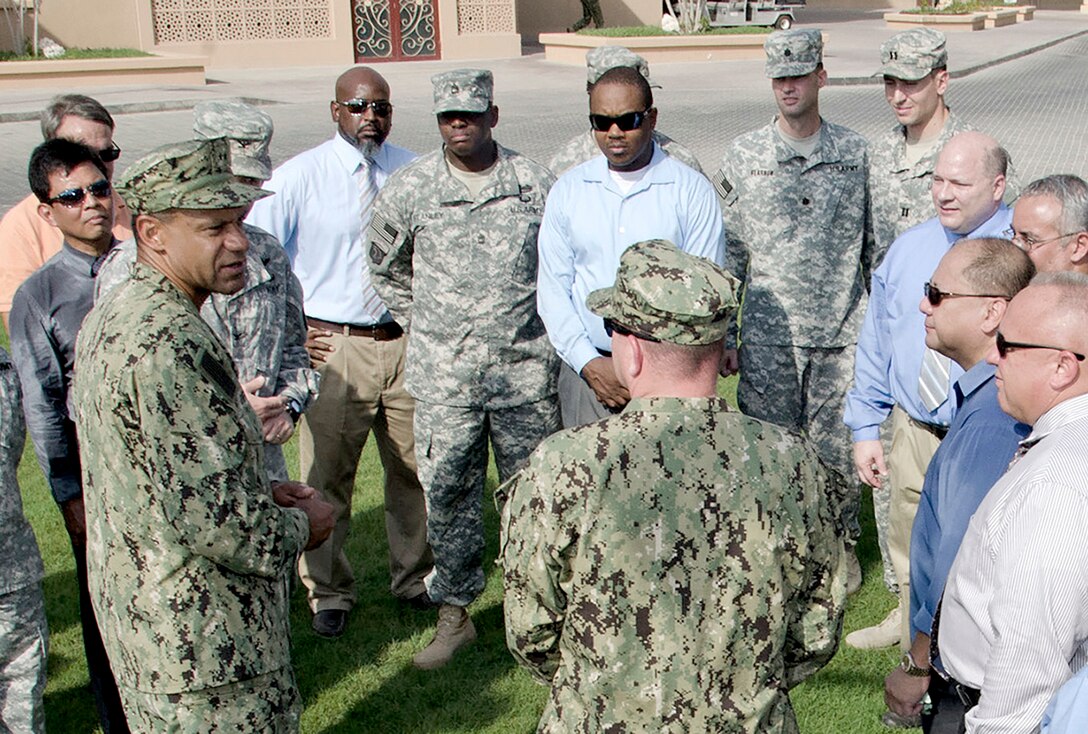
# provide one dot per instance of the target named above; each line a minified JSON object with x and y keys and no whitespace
{"x":1004,"y":346}
{"x":74,"y":197}
{"x":936,"y":295}
{"x":627,"y":122}
{"x":611,"y":326}
{"x":110,"y":154}
{"x":381,"y":107}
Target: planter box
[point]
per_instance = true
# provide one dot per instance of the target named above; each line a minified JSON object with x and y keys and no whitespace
{"x":998,"y":18}
{"x":965,"y":22}
{"x":1025,"y":12}
{"x":79,"y":73}
{"x":570,"y":48}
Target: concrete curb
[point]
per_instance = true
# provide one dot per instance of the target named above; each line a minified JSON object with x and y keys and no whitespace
{"x":960,"y":73}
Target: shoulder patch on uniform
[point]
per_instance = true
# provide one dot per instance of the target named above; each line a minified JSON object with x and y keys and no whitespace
{"x":217,"y":373}
{"x":383,"y":235}
{"x":721,"y":184}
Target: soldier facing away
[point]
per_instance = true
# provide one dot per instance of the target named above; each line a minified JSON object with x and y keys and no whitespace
{"x":677,"y":567}
{"x":189,"y":545}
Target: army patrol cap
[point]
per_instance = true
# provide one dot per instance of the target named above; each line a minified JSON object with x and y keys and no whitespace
{"x":193,"y":174}
{"x":793,"y":53}
{"x":913,"y":54}
{"x":664,"y":293}
{"x":463,"y":90}
{"x":601,"y":59}
{"x":248,"y":129}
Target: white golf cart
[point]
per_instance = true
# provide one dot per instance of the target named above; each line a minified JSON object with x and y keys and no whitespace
{"x":777,"y":13}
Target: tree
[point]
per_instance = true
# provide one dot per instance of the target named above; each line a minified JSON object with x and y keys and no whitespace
{"x":15,"y":15}
{"x":690,"y":14}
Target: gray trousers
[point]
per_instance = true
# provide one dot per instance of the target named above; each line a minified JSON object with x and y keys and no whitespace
{"x":578,"y":404}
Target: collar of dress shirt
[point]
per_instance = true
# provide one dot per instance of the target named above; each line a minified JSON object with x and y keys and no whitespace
{"x":972,"y":380}
{"x":351,"y":158}
{"x":597,"y":170}
{"x":1065,"y":412}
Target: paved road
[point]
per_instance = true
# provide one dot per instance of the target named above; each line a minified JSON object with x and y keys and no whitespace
{"x":1035,"y":104}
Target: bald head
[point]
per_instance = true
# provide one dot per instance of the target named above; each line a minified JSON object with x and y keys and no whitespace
{"x":969,"y":181}
{"x":1045,"y":341}
{"x":354,"y":113}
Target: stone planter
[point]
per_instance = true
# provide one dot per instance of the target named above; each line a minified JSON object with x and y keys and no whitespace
{"x":965,"y":22}
{"x":570,"y":48}
{"x":79,"y":73}
{"x":999,"y":17}
{"x":1025,"y":12}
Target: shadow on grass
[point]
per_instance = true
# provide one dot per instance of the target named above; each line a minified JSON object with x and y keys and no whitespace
{"x":61,"y":600}
{"x":70,"y":710}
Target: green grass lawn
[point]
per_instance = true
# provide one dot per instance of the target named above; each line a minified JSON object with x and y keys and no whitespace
{"x":364,"y":682}
{"x":76,"y":53}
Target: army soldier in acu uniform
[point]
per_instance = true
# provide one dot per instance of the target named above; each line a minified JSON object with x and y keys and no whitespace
{"x":189,"y":546}
{"x":795,"y":198}
{"x":677,"y":567}
{"x":453,"y":255}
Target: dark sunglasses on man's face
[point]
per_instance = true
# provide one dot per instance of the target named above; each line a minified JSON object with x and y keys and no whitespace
{"x":74,"y":197}
{"x":611,"y":326}
{"x":110,"y":154}
{"x":1004,"y":346}
{"x":626,"y":122}
{"x":935,"y":295}
{"x":381,"y":107}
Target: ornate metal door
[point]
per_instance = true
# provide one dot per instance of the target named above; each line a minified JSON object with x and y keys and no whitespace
{"x":395,"y":30}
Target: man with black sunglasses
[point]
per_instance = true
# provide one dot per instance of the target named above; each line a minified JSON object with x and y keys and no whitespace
{"x":323,"y":204}
{"x":72,"y":186}
{"x":795,"y":200}
{"x":595,"y":211}
{"x":1012,"y":626}
{"x":963,"y":304}
{"x":26,"y":240}
{"x":453,"y":250}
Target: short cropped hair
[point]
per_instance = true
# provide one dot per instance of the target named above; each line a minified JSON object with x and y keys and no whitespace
{"x":55,"y":155}
{"x":628,"y":77}
{"x":1071,"y":193}
{"x":76,"y":105}
{"x":998,"y":266}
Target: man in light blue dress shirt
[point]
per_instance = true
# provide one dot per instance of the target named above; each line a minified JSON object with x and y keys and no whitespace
{"x":595,"y":211}
{"x":320,"y":213}
{"x":968,"y":183}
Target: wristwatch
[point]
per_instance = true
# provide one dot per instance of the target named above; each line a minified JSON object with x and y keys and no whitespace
{"x":294,"y":409}
{"x":906,"y":664}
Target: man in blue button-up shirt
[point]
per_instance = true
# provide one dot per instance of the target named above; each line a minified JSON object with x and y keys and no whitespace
{"x":972,"y":287}
{"x":968,"y":183}
{"x":632,"y":192}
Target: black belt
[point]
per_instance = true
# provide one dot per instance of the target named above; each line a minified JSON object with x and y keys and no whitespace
{"x":383,"y":332}
{"x":939,"y":431}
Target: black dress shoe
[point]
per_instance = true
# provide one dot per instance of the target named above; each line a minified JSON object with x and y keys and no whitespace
{"x":421,"y":602}
{"x":330,"y":622}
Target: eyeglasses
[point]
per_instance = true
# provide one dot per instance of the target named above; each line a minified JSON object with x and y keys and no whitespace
{"x":1004,"y":346}
{"x":110,"y":154}
{"x":1027,"y":243}
{"x":381,"y":107}
{"x":936,"y":295}
{"x":74,"y":197}
{"x":626,"y":122}
{"x":611,"y":326}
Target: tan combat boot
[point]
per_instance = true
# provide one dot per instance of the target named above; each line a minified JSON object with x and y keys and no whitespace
{"x":884,"y":634}
{"x":454,"y":631}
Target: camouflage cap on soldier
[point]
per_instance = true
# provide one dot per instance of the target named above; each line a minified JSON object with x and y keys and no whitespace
{"x":913,"y":54}
{"x":193,"y":174}
{"x":664,"y":293}
{"x":793,"y":53}
{"x":601,"y":59}
{"x":248,"y":129}
{"x":463,"y":90}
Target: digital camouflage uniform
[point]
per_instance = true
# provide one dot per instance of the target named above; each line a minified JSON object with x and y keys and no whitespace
{"x":24,"y":635}
{"x":677,"y":567}
{"x":262,"y":325}
{"x":583,"y":147}
{"x":460,"y":276}
{"x":188,"y":553}
{"x":799,"y":238}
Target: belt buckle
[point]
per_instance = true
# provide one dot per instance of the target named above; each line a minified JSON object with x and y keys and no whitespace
{"x":965,"y":696}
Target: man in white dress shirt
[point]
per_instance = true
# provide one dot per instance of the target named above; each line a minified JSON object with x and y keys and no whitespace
{"x":1013,"y":625}
{"x":320,"y":213}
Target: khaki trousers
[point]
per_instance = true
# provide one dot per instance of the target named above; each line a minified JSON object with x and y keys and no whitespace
{"x":912,"y":448}
{"x":362,"y":390}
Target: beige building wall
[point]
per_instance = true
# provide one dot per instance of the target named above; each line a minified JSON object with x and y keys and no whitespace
{"x":480,"y":29}
{"x":98,"y":24}
{"x":552,"y":16}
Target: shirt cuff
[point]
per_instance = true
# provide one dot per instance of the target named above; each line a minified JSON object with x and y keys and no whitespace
{"x":868,"y":433}
{"x":581,"y":355}
{"x":65,"y":488}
